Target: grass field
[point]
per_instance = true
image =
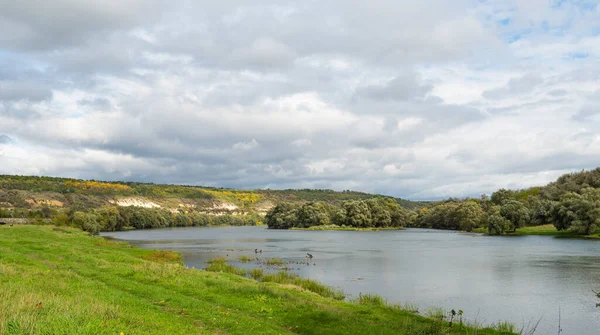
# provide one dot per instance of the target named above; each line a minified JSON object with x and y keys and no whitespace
{"x":61,"y":281}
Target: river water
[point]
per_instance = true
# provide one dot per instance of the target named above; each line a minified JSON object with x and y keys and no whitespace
{"x":519,"y":279}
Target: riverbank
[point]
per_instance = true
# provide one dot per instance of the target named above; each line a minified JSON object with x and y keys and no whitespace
{"x":545,"y":230}
{"x":61,"y":281}
{"x":334,"y":227}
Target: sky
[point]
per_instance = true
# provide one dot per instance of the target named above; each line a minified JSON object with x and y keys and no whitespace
{"x":414,"y":99}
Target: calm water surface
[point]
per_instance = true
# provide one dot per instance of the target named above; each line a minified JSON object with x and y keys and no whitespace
{"x":520,"y":279}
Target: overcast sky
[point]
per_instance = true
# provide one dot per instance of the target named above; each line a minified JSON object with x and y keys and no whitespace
{"x":416,"y":99}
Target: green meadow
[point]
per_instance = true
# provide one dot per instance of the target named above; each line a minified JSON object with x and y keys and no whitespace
{"x":56,"y":280}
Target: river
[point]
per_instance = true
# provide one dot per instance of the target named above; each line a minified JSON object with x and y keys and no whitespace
{"x":519,"y":279}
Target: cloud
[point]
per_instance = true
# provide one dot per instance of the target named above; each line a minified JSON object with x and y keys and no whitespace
{"x":5,"y":139}
{"x":27,"y":25}
{"x":415,"y":99}
{"x":590,"y":109}
{"x":17,"y":91}
{"x":263,"y":53}
{"x":515,"y":86}
{"x":402,"y":87}
{"x":246,"y":145}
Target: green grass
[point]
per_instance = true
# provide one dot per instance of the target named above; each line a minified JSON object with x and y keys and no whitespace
{"x":275,"y":262}
{"x":246,"y":259}
{"x":61,"y":281}
{"x":371,"y":300}
{"x":335,"y":227}
{"x":550,"y":230}
{"x":544,"y":230}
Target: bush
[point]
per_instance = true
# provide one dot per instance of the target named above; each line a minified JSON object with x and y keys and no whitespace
{"x":498,"y":225}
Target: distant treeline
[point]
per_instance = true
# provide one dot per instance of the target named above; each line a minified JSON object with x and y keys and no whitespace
{"x":375,"y":212}
{"x":122,"y":218}
{"x":332,"y":197}
{"x":570,"y":203}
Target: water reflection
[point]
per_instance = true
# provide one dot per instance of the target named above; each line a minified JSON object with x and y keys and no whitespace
{"x":519,"y":279}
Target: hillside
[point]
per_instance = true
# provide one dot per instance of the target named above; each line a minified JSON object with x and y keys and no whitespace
{"x":29,"y":196}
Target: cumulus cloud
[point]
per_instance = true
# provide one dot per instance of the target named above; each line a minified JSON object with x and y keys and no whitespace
{"x":415,"y":99}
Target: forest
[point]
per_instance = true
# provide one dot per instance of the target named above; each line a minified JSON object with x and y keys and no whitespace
{"x":571,"y":203}
{"x":376,"y":212}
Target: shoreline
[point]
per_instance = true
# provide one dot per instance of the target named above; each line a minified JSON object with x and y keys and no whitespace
{"x":544,"y":230}
{"x":338,"y":228}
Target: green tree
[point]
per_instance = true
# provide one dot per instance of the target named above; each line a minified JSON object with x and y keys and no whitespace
{"x":313,"y":214}
{"x":468,"y":215}
{"x":182,"y":220}
{"x":502,"y":195}
{"x":540,"y":211}
{"x":498,"y":225}
{"x":358,"y":214}
{"x":109,"y":218}
{"x":282,"y":216}
{"x":338,"y":216}
{"x":87,"y":221}
{"x":440,"y":216}
{"x":578,"y":212}
{"x":515,"y":212}
{"x":380,"y":213}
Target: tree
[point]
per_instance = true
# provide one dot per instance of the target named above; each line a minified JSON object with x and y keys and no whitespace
{"x":282,"y":216}
{"x":182,"y":220}
{"x":338,"y":216}
{"x":87,"y":221}
{"x":380,"y":213}
{"x":515,"y":212}
{"x":540,"y":211}
{"x":498,"y":225}
{"x":578,"y":212}
{"x":438,"y":217}
{"x":313,"y":214}
{"x":468,"y":215}
{"x":502,"y":195}
{"x":399,"y":215}
{"x":358,"y":214}
{"x":109,"y":218}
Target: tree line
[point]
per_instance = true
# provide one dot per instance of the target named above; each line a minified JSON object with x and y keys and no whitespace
{"x":379,"y":212}
{"x":570,"y":203}
{"x":115,"y":218}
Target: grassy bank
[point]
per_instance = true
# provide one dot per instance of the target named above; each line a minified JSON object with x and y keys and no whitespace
{"x":61,"y":281}
{"x":545,"y":230}
{"x":334,"y":227}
